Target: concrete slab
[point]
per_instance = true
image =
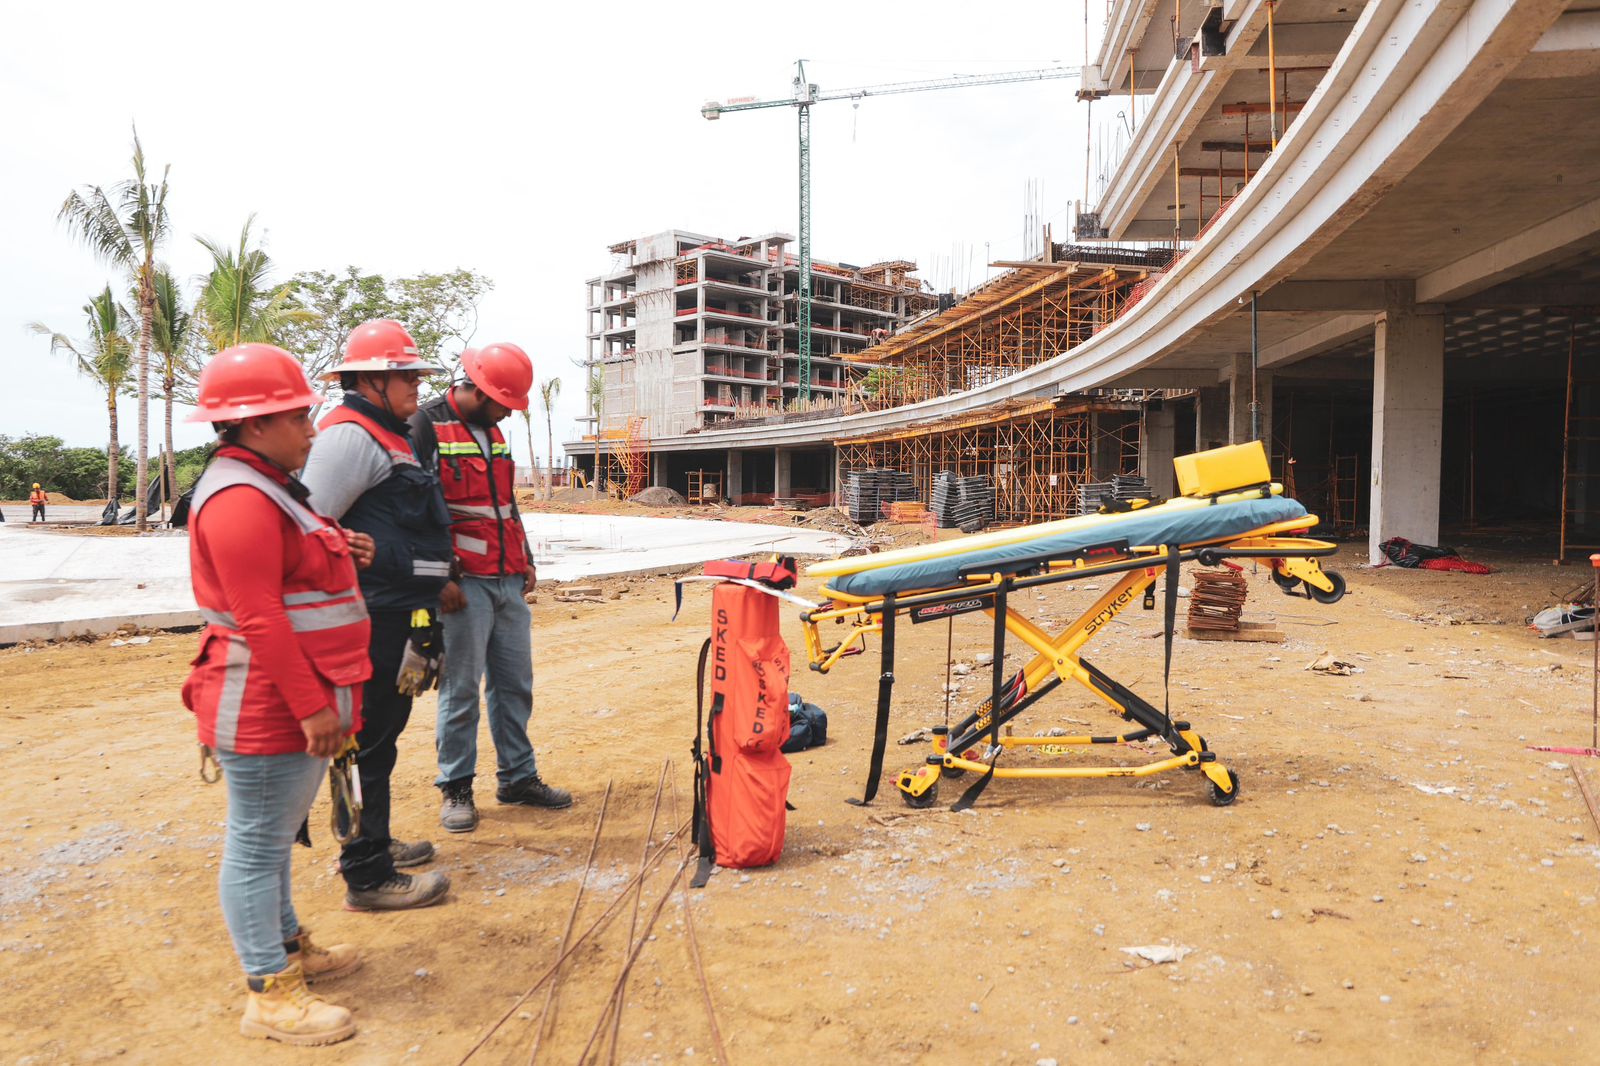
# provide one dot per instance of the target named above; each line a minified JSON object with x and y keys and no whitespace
{"x":60,"y":585}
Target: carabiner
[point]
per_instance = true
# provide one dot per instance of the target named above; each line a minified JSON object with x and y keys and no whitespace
{"x":208,"y":756}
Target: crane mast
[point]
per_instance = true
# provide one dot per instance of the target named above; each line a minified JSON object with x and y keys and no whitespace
{"x":805,"y":95}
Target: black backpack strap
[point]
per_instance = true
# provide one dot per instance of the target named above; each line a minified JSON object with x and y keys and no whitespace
{"x":700,"y":829}
{"x":880,"y":729}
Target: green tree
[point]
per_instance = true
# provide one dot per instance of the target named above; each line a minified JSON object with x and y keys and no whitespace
{"x":339,"y":303}
{"x":104,"y":358}
{"x":237,"y":302}
{"x":547,"y":395}
{"x":123,"y":227}
{"x":439,"y":310}
{"x":76,"y":472}
{"x":172,"y":339}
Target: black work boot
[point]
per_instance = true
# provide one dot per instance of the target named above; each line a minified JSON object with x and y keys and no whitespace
{"x":533,"y":792}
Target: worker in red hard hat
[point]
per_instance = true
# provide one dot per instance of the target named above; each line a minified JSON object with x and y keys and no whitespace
{"x":486,"y":620}
{"x":276,"y":688}
{"x":364,"y":473}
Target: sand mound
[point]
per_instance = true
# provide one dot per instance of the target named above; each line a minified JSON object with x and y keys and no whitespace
{"x":659,"y":496}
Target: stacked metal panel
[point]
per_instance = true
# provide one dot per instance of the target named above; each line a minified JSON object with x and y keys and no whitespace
{"x":868,"y":493}
{"x":1122,"y":487}
{"x":959,"y":502}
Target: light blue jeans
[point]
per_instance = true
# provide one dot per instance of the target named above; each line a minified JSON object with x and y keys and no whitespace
{"x":490,"y":635}
{"x":268,"y":798}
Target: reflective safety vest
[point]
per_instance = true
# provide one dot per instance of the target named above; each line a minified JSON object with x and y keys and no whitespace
{"x":406,"y":517}
{"x":37,"y":498}
{"x":488,"y":534}
{"x":238,"y":706}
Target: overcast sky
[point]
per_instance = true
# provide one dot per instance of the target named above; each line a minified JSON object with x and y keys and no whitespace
{"x":514,"y":139}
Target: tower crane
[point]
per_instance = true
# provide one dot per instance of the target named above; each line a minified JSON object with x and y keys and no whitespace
{"x":805,"y":94}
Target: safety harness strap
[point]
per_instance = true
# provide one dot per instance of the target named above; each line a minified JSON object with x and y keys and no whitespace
{"x":880,"y":734}
{"x":700,"y":831}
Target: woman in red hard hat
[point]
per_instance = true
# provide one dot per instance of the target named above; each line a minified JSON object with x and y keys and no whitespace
{"x":276,"y":688}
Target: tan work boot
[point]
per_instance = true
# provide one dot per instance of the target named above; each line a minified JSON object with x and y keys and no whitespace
{"x":319,"y":963}
{"x":401,"y":892}
{"x":281,"y":1007}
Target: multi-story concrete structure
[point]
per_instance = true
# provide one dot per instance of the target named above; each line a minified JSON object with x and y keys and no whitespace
{"x":1388,"y":215}
{"x":693,"y":330}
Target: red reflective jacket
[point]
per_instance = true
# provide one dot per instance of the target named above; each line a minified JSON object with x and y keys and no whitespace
{"x":287,"y":630}
{"x":488,"y":534}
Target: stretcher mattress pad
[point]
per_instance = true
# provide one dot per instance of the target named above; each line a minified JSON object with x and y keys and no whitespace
{"x":1181,"y":521}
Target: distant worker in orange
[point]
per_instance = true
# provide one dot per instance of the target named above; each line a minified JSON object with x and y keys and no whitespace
{"x":37,"y":500}
{"x":276,"y":688}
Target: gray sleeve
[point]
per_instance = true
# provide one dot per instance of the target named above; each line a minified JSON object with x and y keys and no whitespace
{"x":345,"y":462}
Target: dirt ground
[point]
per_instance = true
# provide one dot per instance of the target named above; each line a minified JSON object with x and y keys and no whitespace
{"x":1401,"y":880}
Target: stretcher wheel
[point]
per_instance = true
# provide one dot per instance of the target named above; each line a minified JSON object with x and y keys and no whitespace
{"x":1284,"y":581}
{"x":1329,"y":597}
{"x":1220,"y":798}
{"x":924,"y":801}
{"x":950,"y":773}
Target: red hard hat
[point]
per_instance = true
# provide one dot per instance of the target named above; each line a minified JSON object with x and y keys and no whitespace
{"x":503,"y":371}
{"x":377,"y":346}
{"x":249,"y":380}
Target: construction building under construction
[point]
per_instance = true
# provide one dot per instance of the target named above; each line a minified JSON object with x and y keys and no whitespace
{"x":690,"y":331}
{"x":1383,"y":260}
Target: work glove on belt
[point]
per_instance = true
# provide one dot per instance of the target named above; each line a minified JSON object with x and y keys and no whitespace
{"x":424,"y":655}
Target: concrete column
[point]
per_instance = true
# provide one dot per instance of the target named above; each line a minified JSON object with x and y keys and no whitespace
{"x":658,"y":468}
{"x":734,"y":486}
{"x":1239,"y":403}
{"x":1157,"y":445}
{"x":780,"y":473}
{"x":1212,"y":418}
{"x":1407,"y":428}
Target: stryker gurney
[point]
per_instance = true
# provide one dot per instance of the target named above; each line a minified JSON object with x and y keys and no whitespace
{"x":1228,"y":509}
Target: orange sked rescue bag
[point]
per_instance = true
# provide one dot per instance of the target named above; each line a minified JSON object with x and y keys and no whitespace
{"x":741,"y":778}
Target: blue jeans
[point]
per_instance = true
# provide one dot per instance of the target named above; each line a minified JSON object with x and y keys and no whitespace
{"x":490,"y":635}
{"x":268,"y":798}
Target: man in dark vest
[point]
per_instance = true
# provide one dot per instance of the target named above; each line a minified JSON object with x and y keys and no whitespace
{"x":486,"y":621}
{"x":363,"y":472}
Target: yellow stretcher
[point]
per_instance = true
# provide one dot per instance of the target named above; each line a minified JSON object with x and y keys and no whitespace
{"x":1228,"y":509}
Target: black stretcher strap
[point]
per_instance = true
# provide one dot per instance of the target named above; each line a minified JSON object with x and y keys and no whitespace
{"x":880,"y":733}
{"x":970,"y":796}
{"x":1169,"y":623}
{"x":700,"y":831}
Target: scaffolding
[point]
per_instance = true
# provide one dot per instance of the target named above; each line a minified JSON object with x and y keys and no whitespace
{"x":1024,"y":317}
{"x":705,"y":487}
{"x":1035,"y":453}
{"x":622,"y":458}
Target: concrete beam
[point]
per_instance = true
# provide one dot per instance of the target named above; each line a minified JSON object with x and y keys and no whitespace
{"x":1334,"y":296}
{"x":1157,"y":377}
{"x":1331,"y":334}
{"x":1524,"y":294}
{"x":1536,"y":247}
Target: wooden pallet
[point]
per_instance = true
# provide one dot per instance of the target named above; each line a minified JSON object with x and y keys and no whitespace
{"x":1247,"y":631}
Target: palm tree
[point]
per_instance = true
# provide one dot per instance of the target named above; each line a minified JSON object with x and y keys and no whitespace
{"x":547,"y":395}
{"x":124,"y":226}
{"x":527,"y":425}
{"x":104,"y":358}
{"x":237,"y":303}
{"x":171,"y":339}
